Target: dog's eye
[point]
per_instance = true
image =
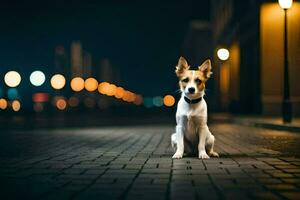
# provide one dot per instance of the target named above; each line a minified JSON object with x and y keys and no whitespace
{"x":185,"y":80}
{"x":198,"y":81}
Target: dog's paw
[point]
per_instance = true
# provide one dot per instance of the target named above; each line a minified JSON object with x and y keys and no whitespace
{"x":214,"y":154}
{"x":177,"y":156}
{"x":203,"y":155}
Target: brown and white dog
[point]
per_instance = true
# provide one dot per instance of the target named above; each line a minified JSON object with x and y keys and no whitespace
{"x":192,"y":134}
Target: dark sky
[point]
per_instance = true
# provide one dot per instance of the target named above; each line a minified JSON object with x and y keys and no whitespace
{"x":143,"y":40}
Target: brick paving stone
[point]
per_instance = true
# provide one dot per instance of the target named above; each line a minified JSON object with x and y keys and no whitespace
{"x":135,"y":163}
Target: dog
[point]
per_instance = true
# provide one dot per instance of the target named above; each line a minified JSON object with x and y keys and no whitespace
{"x":192,"y":135}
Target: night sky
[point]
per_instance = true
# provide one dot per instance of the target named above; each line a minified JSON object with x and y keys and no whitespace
{"x":142,"y":40}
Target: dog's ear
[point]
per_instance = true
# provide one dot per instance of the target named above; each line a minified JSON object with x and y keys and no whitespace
{"x":206,"y":68}
{"x":181,"y":66}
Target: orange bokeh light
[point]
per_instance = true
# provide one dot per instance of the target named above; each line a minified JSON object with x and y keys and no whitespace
{"x":111,"y":90}
{"x":77,"y":84}
{"x":91,"y":84}
{"x":16,"y":105}
{"x":3,"y":104}
{"x":138,"y":100}
{"x":169,"y":100}
{"x":61,"y":104}
{"x":119,"y":92}
{"x":102,"y":88}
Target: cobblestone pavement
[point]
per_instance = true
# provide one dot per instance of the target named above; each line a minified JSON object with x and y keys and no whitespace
{"x":135,"y":163}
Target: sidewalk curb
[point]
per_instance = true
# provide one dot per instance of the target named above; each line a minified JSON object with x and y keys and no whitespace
{"x":247,"y":122}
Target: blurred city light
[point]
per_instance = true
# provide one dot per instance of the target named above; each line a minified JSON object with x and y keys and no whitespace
{"x":16,"y":105}
{"x":119,"y":93}
{"x":77,"y":84}
{"x":73,"y":101}
{"x":111,"y":90}
{"x":138,"y":100}
{"x":12,"y":79}
{"x":223,"y":54}
{"x":103,"y":87}
{"x":169,"y":100}
{"x":3,"y":104}
{"x":285,"y":4}
{"x":158,"y":101}
{"x":38,"y":107}
{"x":12,"y":93}
{"x":37,"y":78}
{"x":60,"y":103}
{"x":40,"y":97}
{"x":91,"y":84}
{"x":58,"y":81}
{"x":148,"y":102}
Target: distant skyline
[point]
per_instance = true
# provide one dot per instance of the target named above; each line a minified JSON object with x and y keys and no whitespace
{"x":142,"y":40}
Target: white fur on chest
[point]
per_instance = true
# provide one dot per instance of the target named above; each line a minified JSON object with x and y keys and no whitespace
{"x":191,"y":117}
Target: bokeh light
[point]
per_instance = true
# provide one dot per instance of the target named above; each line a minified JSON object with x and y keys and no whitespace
{"x":3,"y":104}
{"x":12,"y":93}
{"x":103,"y":87}
{"x":138,"y":100}
{"x":37,"y":78}
{"x":158,"y":101}
{"x":40,"y":97}
{"x":61,"y":104}
{"x":38,"y":107}
{"x":91,"y":84}
{"x":111,"y":90}
{"x":223,"y":54}
{"x":73,"y":101}
{"x":58,"y":81}
{"x":77,"y":84}
{"x":119,"y":93}
{"x":148,"y":102}
{"x":16,"y":105}
{"x":12,"y":79}
{"x":169,"y":100}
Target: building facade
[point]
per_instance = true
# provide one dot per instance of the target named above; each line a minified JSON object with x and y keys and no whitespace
{"x":251,"y":80}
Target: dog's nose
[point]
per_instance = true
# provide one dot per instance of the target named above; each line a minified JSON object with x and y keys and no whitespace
{"x":191,"y":90}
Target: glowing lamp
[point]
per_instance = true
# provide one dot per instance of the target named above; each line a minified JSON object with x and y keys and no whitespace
{"x":169,"y":100}
{"x":77,"y":84}
{"x":223,"y":54}
{"x":58,"y":81}
{"x":37,"y":78}
{"x":12,"y":79}
{"x":91,"y":84}
{"x":285,"y":4}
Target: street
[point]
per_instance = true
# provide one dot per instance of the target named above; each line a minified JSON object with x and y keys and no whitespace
{"x":134,"y":162}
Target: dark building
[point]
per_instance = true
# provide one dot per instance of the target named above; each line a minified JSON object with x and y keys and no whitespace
{"x":251,"y":80}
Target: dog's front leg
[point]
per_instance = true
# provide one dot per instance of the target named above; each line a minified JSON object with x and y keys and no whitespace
{"x":180,"y":142}
{"x":202,"y":139}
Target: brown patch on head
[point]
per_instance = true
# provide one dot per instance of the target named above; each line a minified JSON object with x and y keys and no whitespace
{"x":205,"y":68}
{"x":182,"y":66}
{"x":193,"y":78}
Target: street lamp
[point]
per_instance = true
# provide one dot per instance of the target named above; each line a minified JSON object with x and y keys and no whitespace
{"x":223,"y":54}
{"x":286,"y":104}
